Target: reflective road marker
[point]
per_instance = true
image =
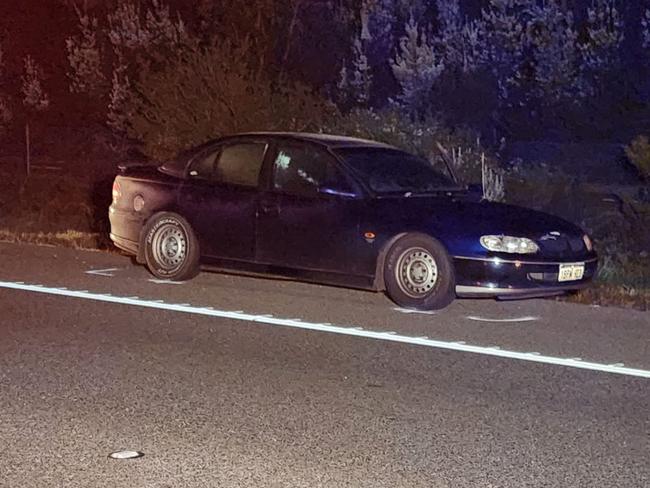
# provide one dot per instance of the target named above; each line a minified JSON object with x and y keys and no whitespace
{"x":333,"y":329}
{"x":126,"y":454}
{"x":521,"y":319}
{"x":165,"y":282}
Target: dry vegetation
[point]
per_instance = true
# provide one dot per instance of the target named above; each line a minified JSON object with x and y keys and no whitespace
{"x":64,"y":211}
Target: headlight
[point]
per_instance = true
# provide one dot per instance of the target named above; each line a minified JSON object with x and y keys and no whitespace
{"x":509,"y":244}
{"x":588,"y":242}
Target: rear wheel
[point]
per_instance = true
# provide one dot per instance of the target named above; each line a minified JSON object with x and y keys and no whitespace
{"x":171,"y":248}
{"x":419,"y":273}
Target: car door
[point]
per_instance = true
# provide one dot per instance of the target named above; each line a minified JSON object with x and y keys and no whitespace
{"x":308,"y":216}
{"x":219,"y":198}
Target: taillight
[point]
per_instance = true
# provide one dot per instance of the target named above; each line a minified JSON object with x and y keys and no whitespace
{"x":117,"y":191}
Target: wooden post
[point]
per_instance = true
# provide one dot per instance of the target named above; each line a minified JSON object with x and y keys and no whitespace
{"x":27,"y":150}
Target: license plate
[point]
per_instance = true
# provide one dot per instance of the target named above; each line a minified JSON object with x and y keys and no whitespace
{"x":571,"y":272}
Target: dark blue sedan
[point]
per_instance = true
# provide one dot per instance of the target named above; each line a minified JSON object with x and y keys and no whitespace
{"x":342,"y":211}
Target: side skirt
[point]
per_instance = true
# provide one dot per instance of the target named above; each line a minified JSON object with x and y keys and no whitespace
{"x":281,"y":272}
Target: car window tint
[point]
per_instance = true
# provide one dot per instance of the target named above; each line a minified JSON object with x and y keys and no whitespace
{"x":240,"y":164}
{"x":305,"y":169}
{"x":392,"y":170}
{"x":203,"y":165}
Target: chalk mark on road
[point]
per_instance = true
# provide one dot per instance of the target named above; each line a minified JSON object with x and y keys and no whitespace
{"x":102,"y":272}
{"x":333,"y":329}
{"x":413,"y":311}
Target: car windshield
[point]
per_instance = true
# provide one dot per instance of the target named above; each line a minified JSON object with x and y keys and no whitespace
{"x":391,"y":171}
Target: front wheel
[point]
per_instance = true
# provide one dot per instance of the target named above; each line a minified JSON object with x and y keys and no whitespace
{"x":419,"y":273}
{"x":171,"y":248}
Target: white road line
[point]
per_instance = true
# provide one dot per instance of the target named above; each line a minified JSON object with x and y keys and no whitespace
{"x":165,"y":282}
{"x":513,"y":320}
{"x":420,"y":341}
{"x":102,"y":272}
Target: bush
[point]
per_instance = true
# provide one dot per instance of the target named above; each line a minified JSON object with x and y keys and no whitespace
{"x":206,"y":92}
{"x":540,"y":187}
{"x":48,"y":203}
{"x":617,"y":225}
{"x":638,"y":152}
{"x":420,"y":137}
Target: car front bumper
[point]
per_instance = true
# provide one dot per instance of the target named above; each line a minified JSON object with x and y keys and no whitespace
{"x":496,"y":277}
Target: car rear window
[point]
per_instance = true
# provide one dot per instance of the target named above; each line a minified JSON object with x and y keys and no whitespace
{"x":240,"y":164}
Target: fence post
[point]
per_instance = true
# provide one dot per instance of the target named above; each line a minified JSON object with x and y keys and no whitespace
{"x":27,"y":150}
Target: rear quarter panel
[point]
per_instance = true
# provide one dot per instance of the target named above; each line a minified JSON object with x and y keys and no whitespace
{"x":156,"y":189}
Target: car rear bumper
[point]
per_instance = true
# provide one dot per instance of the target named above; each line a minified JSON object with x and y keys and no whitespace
{"x":125,"y":229}
{"x":493,"y":277}
{"x":127,"y":245}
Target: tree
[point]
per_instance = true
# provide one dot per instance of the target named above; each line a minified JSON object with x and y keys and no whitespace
{"x":5,"y":111}
{"x":35,"y":99}
{"x":551,"y":38}
{"x":105,"y":55}
{"x":505,"y":32}
{"x":416,"y":67}
{"x":645,"y":24}
{"x":110,"y":51}
{"x":460,"y":41}
{"x":206,"y":92}
{"x":600,"y":50}
{"x":355,"y":81}
{"x":85,"y":57}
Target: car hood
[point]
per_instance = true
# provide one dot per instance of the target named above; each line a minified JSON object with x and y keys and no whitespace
{"x":498,"y":218}
{"x":458,"y":223}
{"x":470,"y":217}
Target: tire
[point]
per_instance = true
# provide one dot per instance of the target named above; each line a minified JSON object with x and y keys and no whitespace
{"x":419,"y":273}
{"x":171,"y":248}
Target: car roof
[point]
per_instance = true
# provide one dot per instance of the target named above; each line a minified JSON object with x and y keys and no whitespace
{"x":328,"y":140}
{"x":177,"y":165}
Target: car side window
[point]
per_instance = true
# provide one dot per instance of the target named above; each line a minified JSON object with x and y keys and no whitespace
{"x":202,"y":168}
{"x":303,"y":170}
{"x":240,"y":164}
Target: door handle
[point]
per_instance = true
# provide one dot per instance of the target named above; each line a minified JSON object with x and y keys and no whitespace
{"x":269,"y":208}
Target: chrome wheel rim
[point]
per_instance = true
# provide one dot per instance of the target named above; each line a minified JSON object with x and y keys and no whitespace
{"x":416,"y":272}
{"x":169,"y":247}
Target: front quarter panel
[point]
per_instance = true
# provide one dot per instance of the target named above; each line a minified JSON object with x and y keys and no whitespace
{"x":458,"y":225}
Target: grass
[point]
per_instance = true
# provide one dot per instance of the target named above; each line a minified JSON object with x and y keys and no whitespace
{"x":617,"y":221}
{"x":604,"y":294}
{"x":71,"y":238}
{"x":601,"y":293}
{"x":623,"y":280}
{"x":63,"y":211}
{"x":54,"y":209}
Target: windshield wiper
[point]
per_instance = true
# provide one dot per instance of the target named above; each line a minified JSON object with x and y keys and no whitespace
{"x":437,"y":191}
{"x":421,"y":193}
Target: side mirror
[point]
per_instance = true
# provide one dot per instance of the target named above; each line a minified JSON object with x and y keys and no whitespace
{"x":475,"y":191}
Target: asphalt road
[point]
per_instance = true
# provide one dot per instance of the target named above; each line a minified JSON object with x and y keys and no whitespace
{"x":241,"y":397}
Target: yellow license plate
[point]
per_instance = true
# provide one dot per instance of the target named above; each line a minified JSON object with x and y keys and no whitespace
{"x":571,"y":272}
